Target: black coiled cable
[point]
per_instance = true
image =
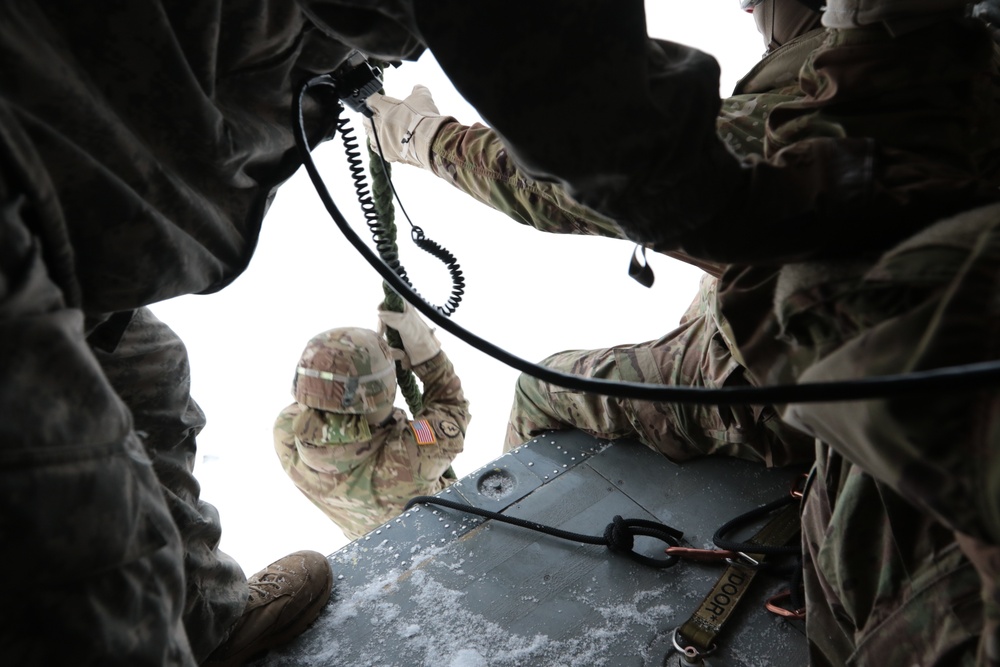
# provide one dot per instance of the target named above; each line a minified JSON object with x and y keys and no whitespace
{"x":385,"y":246}
{"x":443,"y":254}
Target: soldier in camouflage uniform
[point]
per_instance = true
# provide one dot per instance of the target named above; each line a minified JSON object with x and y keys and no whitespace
{"x":345,"y":446}
{"x":927,"y":462}
{"x":698,"y":352}
{"x":899,"y":527}
{"x":140,"y":146}
{"x":887,"y":582}
{"x":694,"y":354}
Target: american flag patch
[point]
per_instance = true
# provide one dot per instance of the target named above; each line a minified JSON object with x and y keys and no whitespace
{"x":423,"y":432}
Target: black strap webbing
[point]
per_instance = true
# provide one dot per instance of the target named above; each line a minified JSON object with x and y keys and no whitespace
{"x":696,"y":637}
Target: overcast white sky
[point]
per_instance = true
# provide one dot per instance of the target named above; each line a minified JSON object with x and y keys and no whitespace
{"x":531,"y":293}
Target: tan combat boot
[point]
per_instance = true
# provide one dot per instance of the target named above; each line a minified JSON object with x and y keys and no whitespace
{"x":285,"y":597}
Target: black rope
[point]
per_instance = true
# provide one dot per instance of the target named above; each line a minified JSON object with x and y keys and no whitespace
{"x":747,"y":517}
{"x":968,"y":377}
{"x":619,"y":535}
{"x":791,"y":571}
{"x":384,"y":235}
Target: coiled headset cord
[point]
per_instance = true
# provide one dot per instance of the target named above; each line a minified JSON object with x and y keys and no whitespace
{"x":385,"y":246}
{"x":952,"y":378}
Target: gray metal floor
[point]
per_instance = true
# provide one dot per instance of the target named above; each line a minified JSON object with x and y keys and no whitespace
{"x":437,"y":587}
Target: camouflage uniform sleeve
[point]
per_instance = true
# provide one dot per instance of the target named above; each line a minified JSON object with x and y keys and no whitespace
{"x":474,"y":160}
{"x":445,"y":412}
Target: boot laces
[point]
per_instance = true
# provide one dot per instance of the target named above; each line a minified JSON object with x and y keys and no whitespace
{"x":260,"y":586}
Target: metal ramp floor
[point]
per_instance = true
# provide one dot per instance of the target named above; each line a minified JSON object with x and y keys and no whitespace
{"x":436,"y":587}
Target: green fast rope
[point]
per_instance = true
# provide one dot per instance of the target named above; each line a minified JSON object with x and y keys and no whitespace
{"x":382,"y":199}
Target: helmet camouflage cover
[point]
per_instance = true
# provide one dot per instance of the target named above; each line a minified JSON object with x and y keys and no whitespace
{"x":348,"y":371}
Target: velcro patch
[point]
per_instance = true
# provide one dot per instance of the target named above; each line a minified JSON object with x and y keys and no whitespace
{"x":450,"y":429}
{"x":423,"y":432}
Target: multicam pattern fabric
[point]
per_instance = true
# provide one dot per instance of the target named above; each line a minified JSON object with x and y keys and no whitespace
{"x":698,"y":353}
{"x":929,"y":302}
{"x":141,"y":145}
{"x":361,"y":485}
{"x":665,"y":176}
{"x":913,"y":474}
{"x":887,"y":581}
{"x":563,"y":122}
{"x":885,"y":562}
{"x":853,"y":13}
{"x":348,"y":371}
{"x":693,"y":354}
{"x":150,"y":370}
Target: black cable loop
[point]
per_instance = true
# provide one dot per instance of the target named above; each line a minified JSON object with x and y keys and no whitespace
{"x":747,"y":517}
{"x":619,"y":535}
{"x":792,"y":571}
{"x":448,"y":259}
{"x":966,"y":377}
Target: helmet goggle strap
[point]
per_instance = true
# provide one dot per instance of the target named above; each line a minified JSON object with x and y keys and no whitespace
{"x":351,"y":384}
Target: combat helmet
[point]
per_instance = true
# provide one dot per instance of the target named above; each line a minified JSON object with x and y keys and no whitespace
{"x":347,"y":371}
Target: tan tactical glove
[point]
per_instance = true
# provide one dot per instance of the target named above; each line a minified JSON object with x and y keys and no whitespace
{"x":406,"y":128}
{"x":419,"y":341}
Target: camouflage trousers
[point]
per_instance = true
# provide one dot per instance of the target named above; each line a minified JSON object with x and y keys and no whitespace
{"x":149,"y":369}
{"x":885,"y":584}
{"x":890,"y":547}
{"x":101,"y":531}
{"x":695,"y":355}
